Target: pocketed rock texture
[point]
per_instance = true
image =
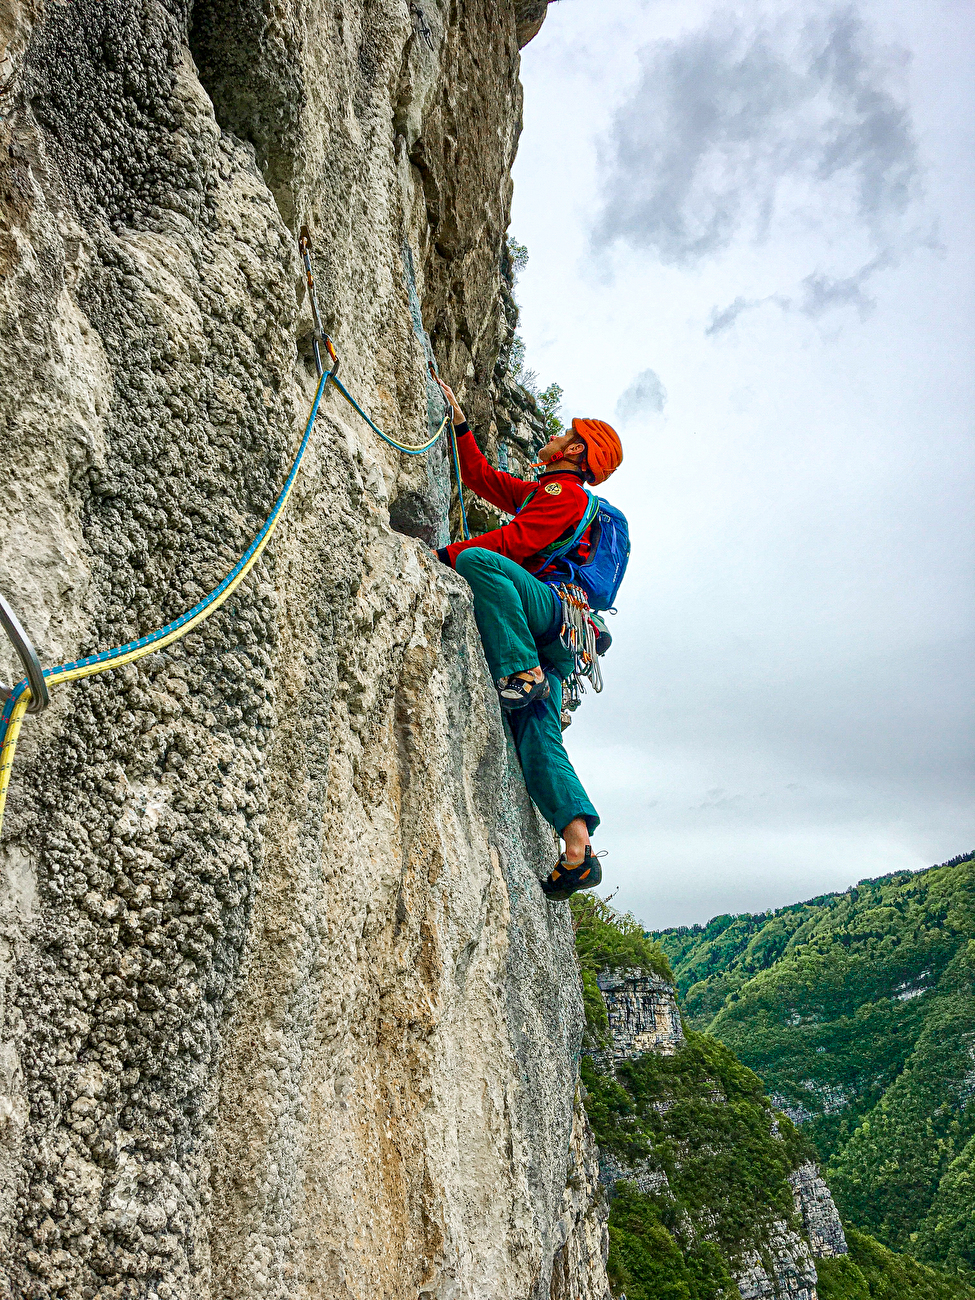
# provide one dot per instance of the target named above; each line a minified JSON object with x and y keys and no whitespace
{"x":285,"y":1012}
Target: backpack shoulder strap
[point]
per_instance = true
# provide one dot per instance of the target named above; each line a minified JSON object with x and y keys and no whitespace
{"x":560,"y":548}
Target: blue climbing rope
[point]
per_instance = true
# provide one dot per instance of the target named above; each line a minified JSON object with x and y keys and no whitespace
{"x":465,"y":531}
{"x":32,"y":689}
{"x":400,"y":446}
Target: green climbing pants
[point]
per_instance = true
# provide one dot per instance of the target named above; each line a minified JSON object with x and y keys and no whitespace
{"x":518,"y":618}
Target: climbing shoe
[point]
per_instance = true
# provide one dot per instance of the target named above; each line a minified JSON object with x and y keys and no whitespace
{"x":518,"y":692}
{"x":565,"y":880}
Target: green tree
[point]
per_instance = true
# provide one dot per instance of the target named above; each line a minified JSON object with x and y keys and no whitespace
{"x":549,"y":403}
{"x":518,"y":258}
{"x":872,"y":1272}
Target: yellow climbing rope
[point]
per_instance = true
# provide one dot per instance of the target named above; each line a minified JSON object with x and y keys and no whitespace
{"x":12,"y":717}
{"x":32,"y":689}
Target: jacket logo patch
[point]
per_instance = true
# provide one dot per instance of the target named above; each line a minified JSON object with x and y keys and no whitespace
{"x":553,"y":489}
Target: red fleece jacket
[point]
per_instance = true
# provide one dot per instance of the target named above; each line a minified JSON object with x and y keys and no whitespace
{"x":559,"y":503}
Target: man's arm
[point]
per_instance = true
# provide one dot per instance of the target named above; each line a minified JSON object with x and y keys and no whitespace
{"x":502,"y":490}
{"x":544,"y":520}
{"x":493,"y":485}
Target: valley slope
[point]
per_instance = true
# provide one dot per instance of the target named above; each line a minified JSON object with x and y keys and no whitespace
{"x":857,"y":1010}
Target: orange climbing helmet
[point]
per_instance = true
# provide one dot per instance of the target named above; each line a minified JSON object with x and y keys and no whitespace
{"x":604,"y":451}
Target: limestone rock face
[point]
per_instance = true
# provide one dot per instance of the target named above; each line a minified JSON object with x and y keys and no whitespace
{"x":786,"y":1267}
{"x":580,"y":1264}
{"x":285,"y":1012}
{"x":820,"y":1220}
{"x":643,"y":1014}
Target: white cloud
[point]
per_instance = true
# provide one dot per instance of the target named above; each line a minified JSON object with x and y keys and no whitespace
{"x":789,"y":127}
{"x":646,"y":395}
{"x":730,"y":127}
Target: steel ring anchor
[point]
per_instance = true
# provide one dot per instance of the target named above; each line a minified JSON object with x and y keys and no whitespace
{"x":40,"y":698}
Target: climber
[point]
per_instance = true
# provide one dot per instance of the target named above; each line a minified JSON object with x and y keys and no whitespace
{"x":520,"y":618}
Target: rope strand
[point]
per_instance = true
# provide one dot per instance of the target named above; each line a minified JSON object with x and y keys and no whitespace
{"x":12,"y":716}
{"x":464,"y":529}
{"x":17,"y":703}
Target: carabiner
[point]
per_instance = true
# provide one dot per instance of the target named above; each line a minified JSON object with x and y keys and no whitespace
{"x":10,"y":623}
{"x":319,"y":336}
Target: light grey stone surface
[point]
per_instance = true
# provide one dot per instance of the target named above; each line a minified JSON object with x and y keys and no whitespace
{"x":820,"y":1220}
{"x":782,"y":1268}
{"x":646,"y":1175}
{"x":580,"y":1263}
{"x":285,"y":1012}
{"x":643,"y":1014}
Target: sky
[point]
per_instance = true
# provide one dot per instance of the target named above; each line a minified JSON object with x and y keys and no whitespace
{"x":750,"y":249}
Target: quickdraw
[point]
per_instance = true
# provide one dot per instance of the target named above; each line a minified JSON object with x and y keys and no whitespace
{"x":30,"y":694}
{"x":578,"y":634}
{"x":321,"y":339}
{"x":28,"y":657}
{"x":465,"y":531}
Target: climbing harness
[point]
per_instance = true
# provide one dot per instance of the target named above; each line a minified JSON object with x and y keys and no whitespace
{"x":578,"y":635}
{"x":30,"y":694}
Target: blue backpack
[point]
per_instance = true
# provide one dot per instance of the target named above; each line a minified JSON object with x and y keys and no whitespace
{"x":601,"y":572}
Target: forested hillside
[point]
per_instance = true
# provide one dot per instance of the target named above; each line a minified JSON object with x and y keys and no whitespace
{"x":703,"y":1173}
{"x":857,"y":1010}
{"x":697,"y":1164}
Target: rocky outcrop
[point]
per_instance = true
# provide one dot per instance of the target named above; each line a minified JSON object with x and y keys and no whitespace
{"x":786,"y":1267}
{"x":644,"y":1019}
{"x":285,"y":1013}
{"x":782,"y":1268}
{"x":529,"y":16}
{"x":643,"y":1014}
{"x":821,"y":1223}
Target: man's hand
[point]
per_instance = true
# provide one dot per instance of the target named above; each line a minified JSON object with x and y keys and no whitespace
{"x":448,"y":393}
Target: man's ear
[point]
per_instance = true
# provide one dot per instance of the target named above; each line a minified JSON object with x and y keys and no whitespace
{"x":574,"y":448}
